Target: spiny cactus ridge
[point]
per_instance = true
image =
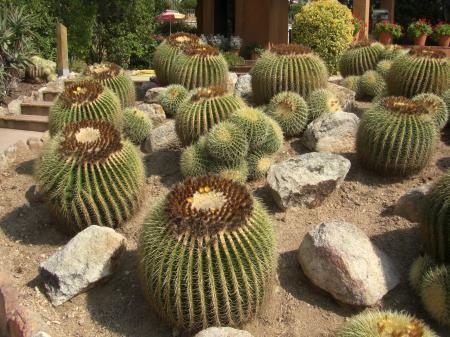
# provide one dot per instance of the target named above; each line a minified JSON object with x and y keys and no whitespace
{"x":322,"y":101}
{"x":359,"y":58}
{"x":136,"y":125}
{"x":171,"y":99}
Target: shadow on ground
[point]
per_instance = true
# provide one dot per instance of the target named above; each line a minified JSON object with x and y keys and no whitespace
{"x":26,"y":167}
{"x":164,"y":164}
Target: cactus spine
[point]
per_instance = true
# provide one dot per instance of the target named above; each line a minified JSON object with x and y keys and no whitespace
{"x":372,"y":84}
{"x":393,"y":51}
{"x":287,"y":68}
{"x":253,"y":123}
{"x":436,"y":108}
{"x":226,"y":142}
{"x":435,"y":293}
{"x":360,"y":58}
{"x":352,"y":83}
{"x":383,"y":68}
{"x":259,"y":163}
{"x":322,"y":101}
{"x":136,"y":125}
{"x":171,"y":99}
{"x":85,"y":100}
{"x":207,"y":254}
{"x":90,"y":176}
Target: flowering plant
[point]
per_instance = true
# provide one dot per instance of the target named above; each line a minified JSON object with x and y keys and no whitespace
{"x":388,"y":27}
{"x":358,"y":25}
{"x":442,"y":29}
{"x":419,"y":27}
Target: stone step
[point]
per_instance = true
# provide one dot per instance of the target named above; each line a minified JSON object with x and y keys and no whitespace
{"x":40,"y":108}
{"x":24,"y":122}
{"x":50,"y":95}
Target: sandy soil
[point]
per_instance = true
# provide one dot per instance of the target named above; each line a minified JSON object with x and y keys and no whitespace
{"x":296,"y":308}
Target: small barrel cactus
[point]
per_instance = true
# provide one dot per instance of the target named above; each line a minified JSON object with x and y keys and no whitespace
{"x":359,"y":58}
{"x":199,"y":66}
{"x":446,"y":97}
{"x":421,"y":70}
{"x":436,"y":224}
{"x":202,"y":109}
{"x":322,"y":101}
{"x":418,"y":270}
{"x":375,"y":323}
{"x":167,"y":51}
{"x":226,"y":142}
{"x":287,"y":68}
{"x":435,"y":106}
{"x":383,"y":68}
{"x":372,"y":84}
{"x":85,"y":100}
{"x":171,"y":99}
{"x":396,"y":137}
{"x":253,"y":123}
{"x":207,"y":254}
{"x":195,"y":160}
{"x":136,"y":125}
{"x":393,"y":51}
{"x":236,"y":171}
{"x":290,"y":110}
{"x":274,"y":138}
{"x":435,"y":293}
{"x":113,"y":77}
{"x":90,"y":176}
{"x":352,"y":83}
{"x":259,"y":163}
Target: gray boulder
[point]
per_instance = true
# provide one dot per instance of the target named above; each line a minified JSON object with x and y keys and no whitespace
{"x":244,"y":85}
{"x":223,"y":332}
{"x":164,"y":137}
{"x":339,"y":258}
{"x":306,"y":180}
{"x":345,"y":96}
{"x":332,"y":132}
{"x":142,"y":88}
{"x":412,"y":205}
{"x":152,"y":95}
{"x":91,"y":256}
{"x":154,"y":111}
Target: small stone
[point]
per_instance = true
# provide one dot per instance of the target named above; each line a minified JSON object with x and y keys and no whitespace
{"x":91,"y":256}
{"x":232,"y":80}
{"x":244,"y":85}
{"x":345,"y":96}
{"x":223,"y":332}
{"x":339,"y":258}
{"x":335,"y":79}
{"x":306,"y":180}
{"x":152,"y":95}
{"x":35,"y":144}
{"x":154,"y":111}
{"x":412,"y":205}
{"x":41,"y":334}
{"x":14,"y":106}
{"x":332,"y":132}
{"x":143,"y":88}
{"x":164,"y":137}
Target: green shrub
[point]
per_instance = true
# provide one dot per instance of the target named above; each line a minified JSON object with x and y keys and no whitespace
{"x":207,"y":254}
{"x":287,"y":68}
{"x":171,"y":99}
{"x":326,"y":26}
{"x":359,"y":58}
{"x":136,"y":125}
{"x":233,"y":60}
{"x":90,"y":176}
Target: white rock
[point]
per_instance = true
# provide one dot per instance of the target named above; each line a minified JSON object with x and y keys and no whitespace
{"x":3,"y":111}
{"x":306,"y":180}
{"x":339,"y":258}
{"x":164,"y":137}
{"x":152,"y":95}
{"x":336,"y":79}
{"x":232,"y":80}
{"x":34,"y":144}
{"x":244,"y":85}
{"x":154,"y":111}
{"x":91,"y":256}
{"x":412,"y":204}
{"x":14,"y":106}
{"x":223,"y":332}
{"x":332,"y":132}
{"x":41,"y":334}
{"x":345,"y":96}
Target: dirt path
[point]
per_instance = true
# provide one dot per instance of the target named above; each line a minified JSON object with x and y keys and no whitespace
{"x":296,"y":308}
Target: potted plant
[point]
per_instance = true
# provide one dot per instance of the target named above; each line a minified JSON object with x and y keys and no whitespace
{"x":419,"y":31}
{"x":442,"y":34}
{"x":235,"y":44}
{"x":387,"y":31}
{"x":358,"y":28}
{"x":254,"y":50}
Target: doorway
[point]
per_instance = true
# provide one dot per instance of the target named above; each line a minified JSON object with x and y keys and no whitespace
{"x":224,"y":17}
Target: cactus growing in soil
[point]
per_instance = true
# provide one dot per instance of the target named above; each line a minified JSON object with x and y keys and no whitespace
{"x":274,"y":138}
{"x":199,"y":66}
{"x":290,"y":110}
{"x":259,"y":163}
{"x":207,"y":254}
{"x":375,"y":323}
{"x":352,"y":83}
{"x":418,"y":269}
{"x":194,"y":159}
{"x":226,"y":142}
{"x":237,"y":171}
{"x":171,"y":99}
{"x":322,"y":101}
{"x":359,"y":58}
{"x":287,"y":68}
{"x":112,"y":76}
{"x":372,"y":84}
{"x":85,"y":100}
{"x":435,"y":106}
{"x":253,"y":123}
{"x":167,"y":51}
{"x":136,"y":125}
{"x":90,"y":176}
{"x":202,"y":109}
{"x":396,"y":137}
{"x":421,"y":70}
{"x":383,"y":68}
{"x":436,"y":223}
{"x":393,"y":51}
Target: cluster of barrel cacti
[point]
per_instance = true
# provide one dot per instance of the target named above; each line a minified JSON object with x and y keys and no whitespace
{"x":41,"y":69}
{"x":239,"y":148}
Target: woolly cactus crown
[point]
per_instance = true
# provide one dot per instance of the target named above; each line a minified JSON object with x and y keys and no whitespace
{"x":290,"y":49}
{"x":79,"y":93}
{"x":181,"y":38}
{"x":202,"y":94}
{"x":103,"y":71}
{"x":199,"y":49}
{"x":403,"y":106}
{"x":427,"y":52}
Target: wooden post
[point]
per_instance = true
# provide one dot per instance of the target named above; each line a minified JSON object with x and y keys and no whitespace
{"x":62,"y":52}
{"x":361,"y":9}
{"x":390,"y":6}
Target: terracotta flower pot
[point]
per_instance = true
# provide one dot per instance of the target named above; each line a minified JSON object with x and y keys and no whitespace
{"x":356,"y":37}
{"x":421,"y":40}
{"x":236,"y":51}
{"x":444,"y":41}
{"x":385,"y":38}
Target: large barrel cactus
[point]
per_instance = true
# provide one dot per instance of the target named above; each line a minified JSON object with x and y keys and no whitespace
{"x":435,"y":106}
{"x":90,"y":176}
{"x":375,"y":323}
{"x":136,"y":125}
{"x":396,"y":137}
{"x":359,"y":58}
{"x":199,"y":66}
{"x":202,"y":109}
{"x":436,"y":223}
{"x":393,"y":51}
{"x":167,"y":51}
{"x":421,"y":70}
{"x":287,"y":68}
{"x":207,"y":254}
{"x":85,"y":100}
{"x":113,"y":77}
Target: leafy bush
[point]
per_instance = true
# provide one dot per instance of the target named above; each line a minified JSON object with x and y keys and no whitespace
{"x":233,"y":60}
{"x":326,"y":26}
